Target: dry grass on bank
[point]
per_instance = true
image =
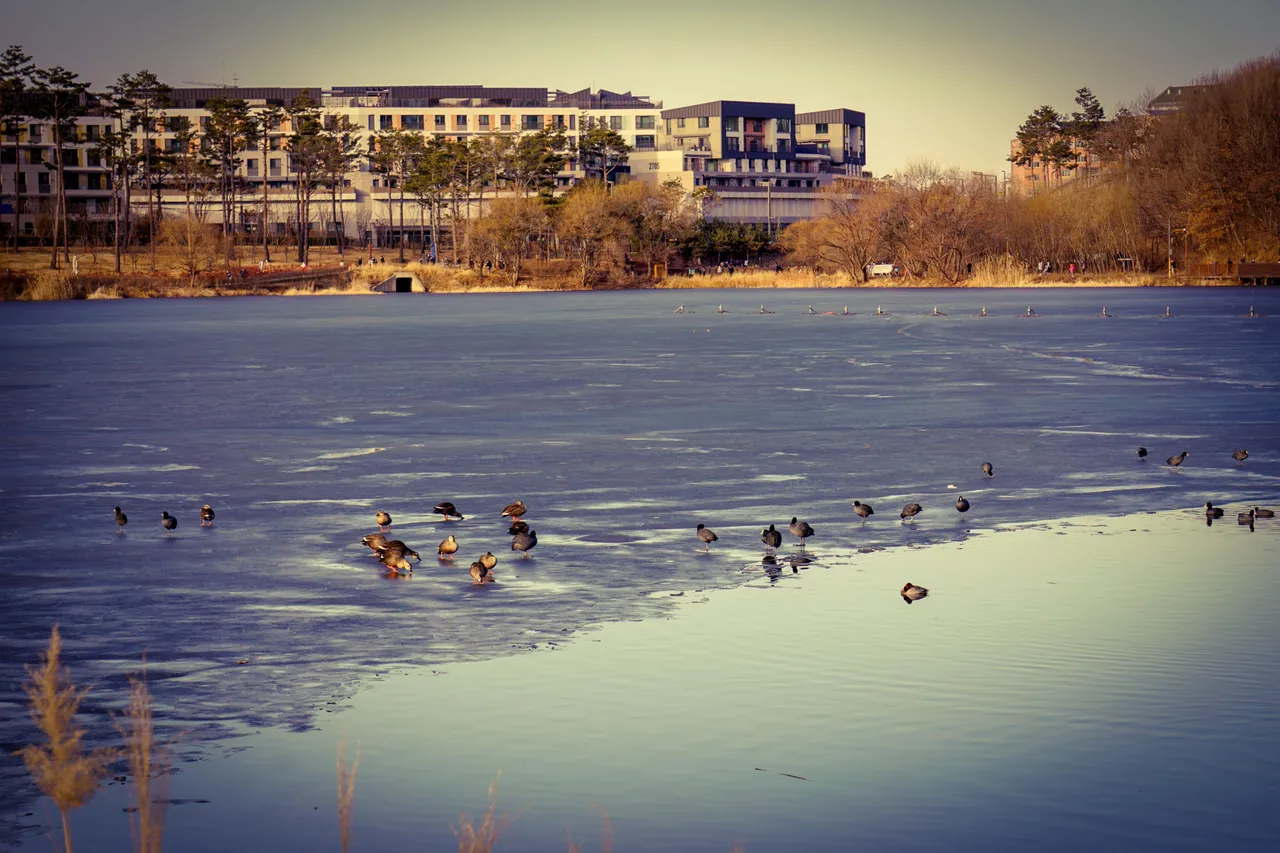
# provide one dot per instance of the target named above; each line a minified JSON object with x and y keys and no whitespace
{"x":788,"y":278}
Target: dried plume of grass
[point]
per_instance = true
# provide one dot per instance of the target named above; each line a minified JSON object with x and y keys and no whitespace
{"x":484,"y":837}
{"x":60,"y":767}
{"x":999,"y":271}
{"x":49,"y":286}
{"x":346,"y":792}
{"x":606,"y":835}
{"x":150,"y":764}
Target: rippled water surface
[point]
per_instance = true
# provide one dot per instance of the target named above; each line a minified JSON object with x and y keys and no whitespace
{"x":1045,"y":692}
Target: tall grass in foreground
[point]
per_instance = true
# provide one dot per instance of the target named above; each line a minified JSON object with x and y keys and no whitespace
{"x":346,"y":792}
{"x":150,"y":764}
{"x":60,"y":767}
{"x":483,"y":838}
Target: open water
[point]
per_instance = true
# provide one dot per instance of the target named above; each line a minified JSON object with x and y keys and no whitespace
{"x":622,"y":425}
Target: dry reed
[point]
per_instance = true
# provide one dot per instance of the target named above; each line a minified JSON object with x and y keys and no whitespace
{"x":49,"y":285}
{"x":483,"y":838}
{"x":150,"y":764}
{"x":606,"y":835}
{"x":346,"y":792}
{"x":60,"y":767}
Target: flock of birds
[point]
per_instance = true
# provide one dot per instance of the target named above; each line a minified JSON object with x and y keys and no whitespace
{"x":399,"y":558}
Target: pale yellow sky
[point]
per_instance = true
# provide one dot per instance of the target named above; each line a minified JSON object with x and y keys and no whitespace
{"x":939,"y":80}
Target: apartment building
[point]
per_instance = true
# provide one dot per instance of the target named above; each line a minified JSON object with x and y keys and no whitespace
{"x":756,"y":164}
{"x":763,"y":162}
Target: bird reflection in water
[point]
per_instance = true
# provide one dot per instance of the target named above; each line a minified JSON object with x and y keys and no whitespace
{"x":771,"y":568}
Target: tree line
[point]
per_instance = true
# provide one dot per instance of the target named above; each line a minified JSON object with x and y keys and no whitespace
{"x":441,"y":181}
{"x":1201,"y":183}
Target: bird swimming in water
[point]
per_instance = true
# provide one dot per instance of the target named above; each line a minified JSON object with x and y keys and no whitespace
{"x":988,"y":470}
{"x":1245,"y":518}
{"x":1175,"y":461}
{"x":517,"y":527}
{"x":772,"y":537}
{"x":910,"y":511}
{"x":447,"y":548}
{"x":962,"y":505}
{"x":373,"y":541}
{"x":1142,"y":454}
{"x":983,"y":312}
{"x":1031,"y":312}
{"x":1211,"y":511}
{"x":911,"y":592}
{"x":525,"y":542}
{"x":880,"y":312}
{"x":937,"y":313}
{"x":479,"y":574}
{"x":1240,"y":456}
{"x":488,"y":560}
{"x":1263,"y":513}
{"x":384,"y":520}
{"x":514,"y":511}
{"x":720,"y":310}
{"x":168,"y":522}
{"x":206,"y":516}
{"x":706,"y":535}
{"x":800,"y":528}
{"x":448,"y":510}
{"x":121,"y":520}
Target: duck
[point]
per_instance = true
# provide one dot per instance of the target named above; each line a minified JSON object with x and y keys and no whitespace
{"x":910,"y":511}
{"x":396,"y":561}
{"x":448,"y":510}
{"x":396,"y":545}
{"x":447,"y":548}
{"x":962,"y":505}
{"x":1263,"y":513}
{"x":1240,"y":456}
{"x":168,"y":522}
{"x":514,"y":511}
{"x":525,"y":542}
{"x":1245,"y":518}
{"x":987,"y":470}
{"x":771,"y":537}
{"x":384,"y":520}
{"x":1175,"y":461}
{"x":800,"y":528}
{"x":707,"y":535}
{"x":488,"y":560}
{"x":479,"y":574}
{"x":1212,"y":511}
{"x":373,"y":541}
{"x":911,"y":592}
{"x":1142,"y":454}
{"x":863,"y":511}
{"x":206,"y":516}
{"x":517,"y":527}
{"x":121,"y":520}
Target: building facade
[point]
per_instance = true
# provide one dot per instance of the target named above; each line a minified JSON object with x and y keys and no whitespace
{"x":762,"y":162}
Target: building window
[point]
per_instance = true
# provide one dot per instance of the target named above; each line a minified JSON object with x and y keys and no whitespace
{"x":784,"y":125}
{"x":573,"y":122}
{"x":275,"y":167}
{"x":412,"y":123}
{"x":731,"y":143}
{"x":33,"y":133}
{"x":757,"y":126}
{"x":704,"y":121}
{"x":42,"y":182}
{"x":92,"y":158}
{"x":784,"y":144}
{"x":371,"y":122}
{"x":731,"y":124}
{"x":644,"y":122}
{"x":461,"y":122}
{"x":617,"y":123}
{"x":483,"y":122}
{"x":530,"y":122}
{"x":821,"y":127}
{"x":386,"y":122}
{"x":646,"y":142}
{"x":679,"y":122}
{"x":504,"y":121}
{"x":95,"y":181}
{"x":251,"y":167}
{"x":91,"y":133}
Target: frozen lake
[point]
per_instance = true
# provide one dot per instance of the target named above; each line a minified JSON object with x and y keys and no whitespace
{"x":622,"y":425}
